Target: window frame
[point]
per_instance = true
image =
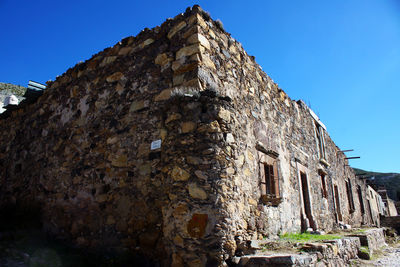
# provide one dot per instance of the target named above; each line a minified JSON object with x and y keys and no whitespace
{"x":324,"y":191}
{"x":320,"y":138}
{"x":350,"y":196}
{"x":269,"y":179}
{"x":269,"y":182}
{"x":361,"y":199}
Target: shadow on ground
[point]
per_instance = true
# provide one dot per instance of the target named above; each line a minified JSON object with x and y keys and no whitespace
{"x":23,"y":243}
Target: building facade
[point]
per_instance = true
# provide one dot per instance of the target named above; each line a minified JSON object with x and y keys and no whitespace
{"x":176,"y":145}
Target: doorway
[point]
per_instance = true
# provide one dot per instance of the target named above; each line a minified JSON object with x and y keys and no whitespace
{"x":308,"y":220}
{"x":337,"y":201}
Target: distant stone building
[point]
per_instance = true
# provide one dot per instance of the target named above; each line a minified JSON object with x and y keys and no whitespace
{"x":387,"y":205}
{"x":176,"y":145}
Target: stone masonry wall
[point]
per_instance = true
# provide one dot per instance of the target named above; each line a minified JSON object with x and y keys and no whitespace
{"x":391,"y":207}
{"x":83,"y":150}
{"x":391,"y":221}
{"x":262,"y":114}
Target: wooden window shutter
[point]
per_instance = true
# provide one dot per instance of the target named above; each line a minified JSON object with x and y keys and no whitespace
{"x":323,"y":185}
{"x":263,"y":179}
{"x":323,"y":152}
{"x":268,"y":178}
{"x":275,"y":179}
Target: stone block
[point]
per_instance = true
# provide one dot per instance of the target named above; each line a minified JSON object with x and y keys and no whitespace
{"x":196,"y":192}
{"x":116,"y":76}
{"x":212,"y":127}
{"x":189,"y":50}
{"x":178,"y":240}
{"x":146,"y":43}
{"x":162,"y":59}
{"x":178,"y":68}
{"x":120,"y":89}
{"x":107,"y":61}
{"x":164,"y":95}
{"x":188,"y":127}
{"x":200,"y":175}
{"x":173,"y":117}
{"x":145,"y":169}
{"x":191,"y":30}
{"x":193,"y":160}
{"x":176,"y":28}
{"x":197,"y":19}
{"x":143,"y":150}
{"x":199,"y":38}
{"x":179,"y":174}
{"x":224,"y":115}
{"x":120,"y":161}
{"x":124,"y":51}
{"x":206,"y":61}
{"x":178,"y":79}
{"x":229,"y":138}
{"x":181,"y":210}
{"x":138,"y":105}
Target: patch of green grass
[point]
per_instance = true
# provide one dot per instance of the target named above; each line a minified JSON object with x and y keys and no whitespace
{"x":361,"y":230}
{"x":364,"y":249}
{"x":305,"y":237}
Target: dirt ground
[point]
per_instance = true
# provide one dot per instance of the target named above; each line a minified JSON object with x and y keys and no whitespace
{"x":387,"y":256}
{"x":32,"y":248}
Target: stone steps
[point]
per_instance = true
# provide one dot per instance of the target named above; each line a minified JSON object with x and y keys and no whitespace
{"x":337,"y":252}
{"x":277,"y":260}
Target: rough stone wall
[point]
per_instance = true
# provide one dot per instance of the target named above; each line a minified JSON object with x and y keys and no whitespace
{"x":373,"y":239}
{"x":391,"y":221}
{"x":263,"y":114}
{"x":82,"y":151}
{"x":374,"y":204}
{"x":195,"y":214}
{"x":391,"y":207}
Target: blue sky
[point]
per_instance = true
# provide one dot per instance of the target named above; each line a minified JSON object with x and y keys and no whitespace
{"x":341,"y":57}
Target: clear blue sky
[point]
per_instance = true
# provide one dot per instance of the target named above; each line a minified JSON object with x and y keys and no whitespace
{"x":342,"y":57}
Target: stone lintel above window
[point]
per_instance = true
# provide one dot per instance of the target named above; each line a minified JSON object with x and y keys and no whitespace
{"x":301,"y":162}
{"x":324,"y":162}
{"x":269,"y":152}
{"x":322,"y":171}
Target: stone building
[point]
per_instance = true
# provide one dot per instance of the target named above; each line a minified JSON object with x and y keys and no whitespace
{"x":388,"y":204}
{"x":375,"y":205}
{"x":391,"y":207}
{"x":176,"y":145}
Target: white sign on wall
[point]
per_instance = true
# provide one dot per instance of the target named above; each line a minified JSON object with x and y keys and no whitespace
{"x":155,"y":144}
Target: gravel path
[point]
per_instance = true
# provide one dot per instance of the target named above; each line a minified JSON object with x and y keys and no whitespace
{"x":389,"y":256}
